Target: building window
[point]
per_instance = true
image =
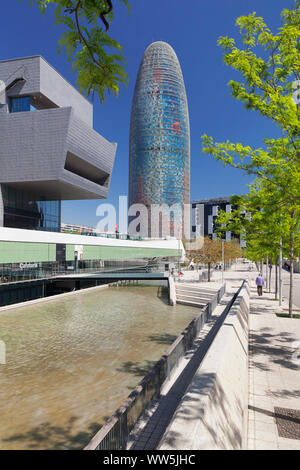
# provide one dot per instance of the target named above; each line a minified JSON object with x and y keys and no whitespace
{"x":20,"y":104}
{"x":29,"y":211}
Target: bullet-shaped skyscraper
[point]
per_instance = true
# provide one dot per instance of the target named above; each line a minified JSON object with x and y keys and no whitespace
{"x":159,"y":170}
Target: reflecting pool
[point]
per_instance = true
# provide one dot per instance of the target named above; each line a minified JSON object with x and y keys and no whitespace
{"x":70,"y":362}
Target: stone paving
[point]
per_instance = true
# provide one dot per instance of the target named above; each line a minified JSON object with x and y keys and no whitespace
{"x":150,"y":429}
{"x":274,"y":376}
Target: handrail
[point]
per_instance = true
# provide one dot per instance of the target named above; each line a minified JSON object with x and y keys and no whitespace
{"x":41,"y":273}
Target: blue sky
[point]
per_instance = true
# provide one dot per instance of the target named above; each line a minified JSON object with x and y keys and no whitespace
{"x":192,"y":31}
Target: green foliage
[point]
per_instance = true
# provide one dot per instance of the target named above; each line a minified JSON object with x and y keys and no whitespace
{"x":268,"y":87}
{"x":97,"y":59}
{"x":211,"y":252}
{"x":263,"y":218}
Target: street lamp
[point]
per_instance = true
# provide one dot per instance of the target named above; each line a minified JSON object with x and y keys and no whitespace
{"x":223,"y":260}
{"x":280,"y":271}
{"x":178,"y":256}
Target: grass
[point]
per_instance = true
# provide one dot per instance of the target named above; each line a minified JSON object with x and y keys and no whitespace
{"x":286,"y":315}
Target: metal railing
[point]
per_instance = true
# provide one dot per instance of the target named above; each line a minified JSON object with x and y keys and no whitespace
{"x":14,"y":274}
{"x":114,"y":434}
{"x":93,"y":233}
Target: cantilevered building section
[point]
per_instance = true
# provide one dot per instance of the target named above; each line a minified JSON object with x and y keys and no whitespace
{"x":49,"y":150}
{"x":159,"y":170}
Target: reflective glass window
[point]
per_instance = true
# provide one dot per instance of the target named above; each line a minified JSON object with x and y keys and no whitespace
{"x":19,"y":104}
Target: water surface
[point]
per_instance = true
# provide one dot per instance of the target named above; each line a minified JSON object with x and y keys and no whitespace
{"x":72,"y":361}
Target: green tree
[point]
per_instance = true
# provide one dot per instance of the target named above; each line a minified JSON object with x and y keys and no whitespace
{"x":269,"y":219}
{"x":270,"y":67}
{"x":210,"y":253}
{"x":268,"y":87}
{"x":232,"y":250}
{"x":97,"y":59}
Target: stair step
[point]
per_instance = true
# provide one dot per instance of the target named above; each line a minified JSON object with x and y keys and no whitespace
{"x":207,"y":294}
{"x":192,"y":299}
{"x":192,"y":294}
{"x":199,"y":289}
{"x":196,"y":294}
{"x":202,"y":285}
{"x":190,"y":303}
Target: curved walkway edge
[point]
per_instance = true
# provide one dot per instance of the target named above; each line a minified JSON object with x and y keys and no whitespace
{"x":149,"y":431}
{"x":247,"y":397}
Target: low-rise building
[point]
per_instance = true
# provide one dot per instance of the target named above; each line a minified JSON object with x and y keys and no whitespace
{"x":205,"y":213}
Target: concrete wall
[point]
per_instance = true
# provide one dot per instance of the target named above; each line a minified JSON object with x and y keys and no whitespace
{"x":36,"y":145}
{"x":62,"y":93}
{"x":42,"y":78}
{"x":33,"y":145}
{"x":34,"y":148}
{"x":172,"y":291}
{"x":1,"y":208}
{"x":213,"y":413}
{"x":18,"y":245}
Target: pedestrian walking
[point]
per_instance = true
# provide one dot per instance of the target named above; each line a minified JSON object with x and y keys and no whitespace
{"x":260,"y":282}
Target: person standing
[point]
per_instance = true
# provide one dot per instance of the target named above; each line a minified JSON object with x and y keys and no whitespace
{"x":260,"y":282}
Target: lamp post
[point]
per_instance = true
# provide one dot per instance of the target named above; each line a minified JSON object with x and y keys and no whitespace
{"x":280,"y":271}
{"x":223,"y":261}
{"x":178,"y":257}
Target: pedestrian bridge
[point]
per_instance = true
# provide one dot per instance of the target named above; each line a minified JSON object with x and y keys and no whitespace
{"x":116,"y":276}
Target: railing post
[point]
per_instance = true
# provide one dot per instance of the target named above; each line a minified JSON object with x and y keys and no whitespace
{"x":124,"y":431}
{"x":168,"y":368}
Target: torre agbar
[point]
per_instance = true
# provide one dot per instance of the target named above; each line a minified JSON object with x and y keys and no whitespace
{"x":159,"y":170}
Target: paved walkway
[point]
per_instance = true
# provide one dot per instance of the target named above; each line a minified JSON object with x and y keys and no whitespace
{"x":150,"y":429}
{"x":274,"y":377}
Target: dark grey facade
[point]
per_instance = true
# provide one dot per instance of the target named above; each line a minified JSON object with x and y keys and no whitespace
{"x":204,"y":214}
{"x":49,"y":150}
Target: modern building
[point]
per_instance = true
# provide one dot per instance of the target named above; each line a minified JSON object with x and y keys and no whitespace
{"x":159,"y":171}
{"x":204,"y":214}
{"x":49,"y":151}
{"x":36,"y":264}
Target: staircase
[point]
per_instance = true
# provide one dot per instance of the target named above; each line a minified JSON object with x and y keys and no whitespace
{"x":193,"y":295}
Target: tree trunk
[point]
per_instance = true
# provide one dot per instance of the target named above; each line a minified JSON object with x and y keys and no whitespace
{"x":208,"y":273}
{"x":270,"y":276}
{"x":280,"y":271}
{"x":276,"y":278}
{"x":291,"y":275}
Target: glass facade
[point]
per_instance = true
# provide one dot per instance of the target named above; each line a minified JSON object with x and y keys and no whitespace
{"x":19,"y":104}
{"x":160,"y":135}
{"x":29,"y":211}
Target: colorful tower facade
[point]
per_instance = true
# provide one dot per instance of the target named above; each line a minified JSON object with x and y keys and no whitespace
{"x":159,"y":170}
